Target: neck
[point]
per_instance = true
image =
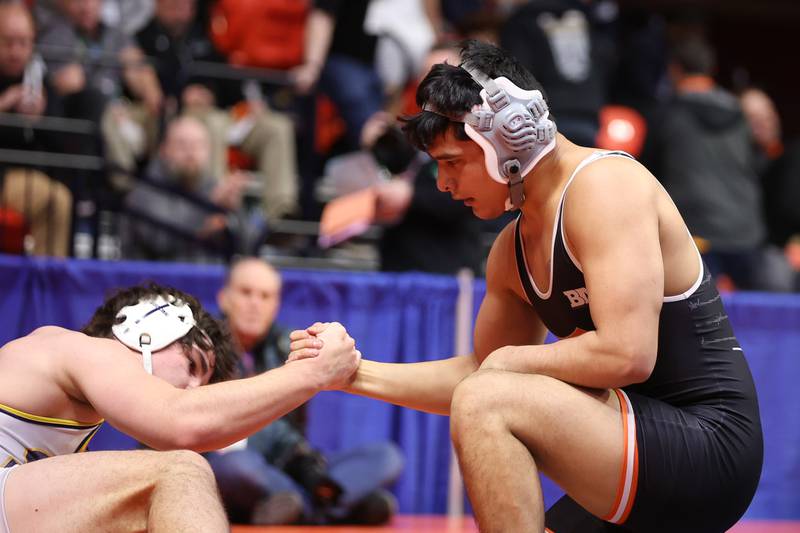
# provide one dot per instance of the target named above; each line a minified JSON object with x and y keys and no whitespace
{"x":542,"y":182}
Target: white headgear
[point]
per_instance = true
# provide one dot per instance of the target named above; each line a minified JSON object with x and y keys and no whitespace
{"x":153,"y":324}
{"x":512,"y":127}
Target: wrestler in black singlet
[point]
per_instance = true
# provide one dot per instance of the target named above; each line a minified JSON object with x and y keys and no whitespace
{"x":697,"y":426}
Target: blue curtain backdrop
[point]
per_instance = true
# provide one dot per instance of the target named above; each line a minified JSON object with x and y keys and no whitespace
{"x":407,"y":318}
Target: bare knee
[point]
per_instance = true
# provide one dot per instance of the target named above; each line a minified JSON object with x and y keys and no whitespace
{"x":61,"y":201}
{"x":275,"y":124}
{"x":477,"y":403}
{"x":183,"y":463}
{"x":491,"y":401}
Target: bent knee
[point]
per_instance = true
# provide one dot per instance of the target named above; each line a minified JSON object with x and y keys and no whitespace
{"x":276,"y":124}
{"x":489,"y":395}
{"x":185,"y":461}
{"x":477,"y":396}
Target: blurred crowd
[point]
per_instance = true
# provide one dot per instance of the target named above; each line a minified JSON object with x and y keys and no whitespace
{"x":198,"y":130}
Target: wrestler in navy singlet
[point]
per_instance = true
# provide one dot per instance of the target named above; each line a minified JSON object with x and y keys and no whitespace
{"x":698,"y":448}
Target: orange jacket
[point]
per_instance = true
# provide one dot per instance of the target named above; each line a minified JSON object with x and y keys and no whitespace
{"x":260,"y":33}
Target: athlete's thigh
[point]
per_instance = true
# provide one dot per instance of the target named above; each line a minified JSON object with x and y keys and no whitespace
{"x":574,"y":434}
{"x":94,"y":491}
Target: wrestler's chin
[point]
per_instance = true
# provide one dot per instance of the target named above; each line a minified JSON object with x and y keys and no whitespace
{"x":484,"y":212}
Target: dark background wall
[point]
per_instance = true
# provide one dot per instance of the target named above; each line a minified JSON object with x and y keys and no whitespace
{"x":757,"y":42}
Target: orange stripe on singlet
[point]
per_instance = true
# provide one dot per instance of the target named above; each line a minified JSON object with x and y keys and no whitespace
{"x":624,"y":502}
{"x":633,"y":485}
{"x":621,"y":485}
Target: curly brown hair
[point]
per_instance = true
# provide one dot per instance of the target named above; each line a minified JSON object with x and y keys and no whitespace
{"x":217,"y":333}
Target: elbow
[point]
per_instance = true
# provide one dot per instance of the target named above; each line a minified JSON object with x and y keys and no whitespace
{"x":633,"y":352}
{"x":180,"y":435}
{"x":189,"y":436}
{"x":638,"y":371}
{"x":638,"y":364}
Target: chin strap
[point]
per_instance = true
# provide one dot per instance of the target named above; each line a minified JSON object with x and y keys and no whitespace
{"x":516,"y":185}
{"x":147,"y":354}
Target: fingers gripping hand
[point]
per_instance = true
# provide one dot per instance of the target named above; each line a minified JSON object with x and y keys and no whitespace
{"x":338,"y":359}
{"x":305,"y":343}
{"x":304,"y":348}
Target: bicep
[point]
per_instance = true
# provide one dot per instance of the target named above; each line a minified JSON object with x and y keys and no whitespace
{"x":504,"y":319}
{"x":615,"y":234}
{"x":121,"y":392}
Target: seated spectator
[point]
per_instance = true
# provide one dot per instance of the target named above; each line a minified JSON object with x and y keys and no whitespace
{"x":45,"y":203}
{"x":180,"y":206}
{"x":701,"y":152}
{"x":779,"y":166}
{"x":277,"y":477}
{"x":178,"y":41}
{"x":92,"y":66}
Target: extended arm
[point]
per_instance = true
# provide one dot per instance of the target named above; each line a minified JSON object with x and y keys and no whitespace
{"x":207,"y":417}
{"x":612,"y":226}
{"x":428,"y":386}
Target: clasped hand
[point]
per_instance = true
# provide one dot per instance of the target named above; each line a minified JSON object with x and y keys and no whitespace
{"x":330,"y":349}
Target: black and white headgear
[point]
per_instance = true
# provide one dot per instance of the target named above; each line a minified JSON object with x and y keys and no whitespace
{"x":152,"y":324}
{"x":513,"y":128}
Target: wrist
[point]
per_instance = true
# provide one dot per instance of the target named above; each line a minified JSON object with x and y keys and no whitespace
{"x":360,"y":382}
{"x":306,"y":373}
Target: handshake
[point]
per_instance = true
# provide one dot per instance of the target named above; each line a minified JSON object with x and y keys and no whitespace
{"x":329,"y":351}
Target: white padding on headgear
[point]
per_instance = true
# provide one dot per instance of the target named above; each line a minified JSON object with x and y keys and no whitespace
{"x":153,"y":324}
{"x":539,"y":147}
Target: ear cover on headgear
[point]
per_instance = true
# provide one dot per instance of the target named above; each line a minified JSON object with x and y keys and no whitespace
{"x":152,"y":324}
{"x":513,"y":128}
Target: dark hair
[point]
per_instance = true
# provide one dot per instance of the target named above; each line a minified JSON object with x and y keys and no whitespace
{"x":225,"y":357}
{"x":452,"y":91}
{"x":694,"y":55}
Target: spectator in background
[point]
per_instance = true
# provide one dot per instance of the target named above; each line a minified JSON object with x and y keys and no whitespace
{"x":178,"y":41}
{"x":165,"y":223}
{"x":92,"y":66}
{"x":701,"y":151}
{"x":46,"y":204}
{"x":277,"y":476}
{"x":127,"y":15}
{"x":340,"y":55}
{"x":779,"y":166}
{"x":425,"y":230}
{"x":567,"y":46}
{"x":270,"y":34}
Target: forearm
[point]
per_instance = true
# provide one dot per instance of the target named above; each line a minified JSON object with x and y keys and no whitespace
{"x":586,"y":360}
{"x":217,"y":415}
{"x":318,"y":35}
{"x":426,"y":386}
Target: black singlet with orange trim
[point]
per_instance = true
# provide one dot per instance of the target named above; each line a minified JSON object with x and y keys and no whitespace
{"x":698,"y":429}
